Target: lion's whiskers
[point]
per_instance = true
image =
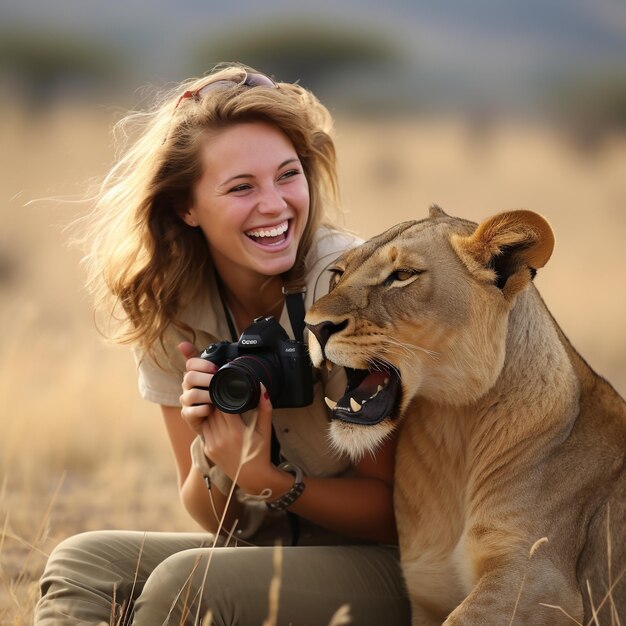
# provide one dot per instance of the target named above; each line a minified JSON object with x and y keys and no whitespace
{"x":411,"y":349}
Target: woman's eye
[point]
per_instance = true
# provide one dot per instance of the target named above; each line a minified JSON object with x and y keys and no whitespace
{"x":242,"y":187}
{"x":289,"y":174}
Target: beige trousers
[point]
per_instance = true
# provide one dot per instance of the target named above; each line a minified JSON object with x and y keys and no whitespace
{"x":154,"y":579}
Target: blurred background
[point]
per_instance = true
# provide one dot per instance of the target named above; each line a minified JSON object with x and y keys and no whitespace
{"x":479,"y":107}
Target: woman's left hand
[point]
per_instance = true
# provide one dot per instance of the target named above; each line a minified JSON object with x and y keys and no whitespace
{"x":228,"y":442}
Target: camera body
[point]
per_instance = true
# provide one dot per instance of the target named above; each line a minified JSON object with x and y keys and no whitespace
{"x":264,"y":354}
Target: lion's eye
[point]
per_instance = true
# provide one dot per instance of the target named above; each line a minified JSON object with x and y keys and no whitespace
{"x":336,"y":274}
{"x":401,"y":276}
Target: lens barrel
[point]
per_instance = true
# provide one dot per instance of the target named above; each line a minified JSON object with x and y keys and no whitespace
{"x":236,"y":388}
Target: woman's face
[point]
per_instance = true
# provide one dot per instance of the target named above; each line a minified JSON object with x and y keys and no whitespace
{"x":252,"y":201}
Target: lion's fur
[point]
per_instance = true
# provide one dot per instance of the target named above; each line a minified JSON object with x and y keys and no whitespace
{"x":507,"y":436}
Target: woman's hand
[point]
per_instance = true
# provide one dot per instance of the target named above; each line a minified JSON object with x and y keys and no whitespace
{"x":227,"y":439}
{"x":230,"y":443}
{"x":360,"y":505}
{"x":195,"y":399}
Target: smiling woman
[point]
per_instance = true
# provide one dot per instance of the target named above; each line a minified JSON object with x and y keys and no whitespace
{"x":194,"y":237}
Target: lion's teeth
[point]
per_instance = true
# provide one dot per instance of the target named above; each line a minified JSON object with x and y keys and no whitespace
{"x":354,"y":405}
{"x":378,"y":390}
{"x":386,"y":381}
{"x":329,"y":365}
{"x":330,"y":403}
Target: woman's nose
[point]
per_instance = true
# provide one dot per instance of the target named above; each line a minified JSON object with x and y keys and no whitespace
{"x":271,"y":200}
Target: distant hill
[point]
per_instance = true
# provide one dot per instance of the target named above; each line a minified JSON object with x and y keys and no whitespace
{"x":482,"y":54}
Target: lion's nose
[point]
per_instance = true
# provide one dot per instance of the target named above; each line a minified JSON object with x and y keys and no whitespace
{"x":324,"y":330}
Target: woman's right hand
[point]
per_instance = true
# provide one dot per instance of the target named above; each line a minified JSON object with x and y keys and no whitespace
{"x":195,"y":399}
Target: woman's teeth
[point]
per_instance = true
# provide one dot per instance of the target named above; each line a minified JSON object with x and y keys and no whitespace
{"x":269,"y":232}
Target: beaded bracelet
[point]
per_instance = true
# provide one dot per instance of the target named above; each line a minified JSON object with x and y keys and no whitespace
{"x":293,"y":494}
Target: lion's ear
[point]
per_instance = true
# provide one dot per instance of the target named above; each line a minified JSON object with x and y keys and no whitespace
{"x":511,"y":246}
{"x":434,"y":210}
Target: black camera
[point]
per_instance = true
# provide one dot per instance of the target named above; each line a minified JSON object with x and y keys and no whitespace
{"x":264,"y":354}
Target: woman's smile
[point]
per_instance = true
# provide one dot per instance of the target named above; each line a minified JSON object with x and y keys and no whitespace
{"x":270,"y":237}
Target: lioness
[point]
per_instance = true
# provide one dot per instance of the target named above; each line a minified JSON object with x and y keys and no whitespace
{"x":510,"y":490}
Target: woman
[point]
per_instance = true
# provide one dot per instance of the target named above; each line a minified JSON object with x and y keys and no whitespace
{"x":216,"y":211}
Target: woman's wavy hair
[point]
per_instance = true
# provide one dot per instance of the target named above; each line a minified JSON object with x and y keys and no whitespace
{"x":144,"y":263}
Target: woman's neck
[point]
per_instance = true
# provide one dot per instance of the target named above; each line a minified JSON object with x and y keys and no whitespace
{"x":248,"y":298}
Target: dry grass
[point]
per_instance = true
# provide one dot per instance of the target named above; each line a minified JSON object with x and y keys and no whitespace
{"x":79,"y":450}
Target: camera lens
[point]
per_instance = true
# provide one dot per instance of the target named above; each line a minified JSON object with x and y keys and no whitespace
{"x":233,"y":390}
{"x":236,"y":388}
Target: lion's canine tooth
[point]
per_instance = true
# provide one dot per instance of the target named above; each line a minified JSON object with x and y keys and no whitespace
{"x":378,"y":390}
{"x":354,"y":405}
{"x":330,"y":403}
{"x":329,"y":365}
{"x":386,"y":381}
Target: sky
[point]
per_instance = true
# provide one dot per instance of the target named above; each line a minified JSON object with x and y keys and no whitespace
{"x":502,"y":49}
{"x":455,"y":31}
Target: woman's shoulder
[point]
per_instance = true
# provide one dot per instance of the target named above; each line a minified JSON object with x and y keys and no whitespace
{"x":332,"y":241}
{"x":328,"y":244}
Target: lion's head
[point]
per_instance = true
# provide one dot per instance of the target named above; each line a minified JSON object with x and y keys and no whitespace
{"x":422,"y":311}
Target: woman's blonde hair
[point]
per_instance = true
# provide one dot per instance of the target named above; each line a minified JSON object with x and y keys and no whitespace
{"x":144,"y":262}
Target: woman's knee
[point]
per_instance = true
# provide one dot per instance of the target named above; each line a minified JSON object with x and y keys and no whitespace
{"x":78,"y":553}
{"x":105,"y":569}
{"x":80,"y":580}
{"x":225,"y":581}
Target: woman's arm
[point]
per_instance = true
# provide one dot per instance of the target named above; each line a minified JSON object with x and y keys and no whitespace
{"x":360,"y":506}
{"x":192,"y":488}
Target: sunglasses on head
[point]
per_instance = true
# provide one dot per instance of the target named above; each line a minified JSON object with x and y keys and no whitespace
{"x":247,"y":79}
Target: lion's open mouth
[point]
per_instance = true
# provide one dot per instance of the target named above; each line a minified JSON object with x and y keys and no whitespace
{"x":370,"y":396}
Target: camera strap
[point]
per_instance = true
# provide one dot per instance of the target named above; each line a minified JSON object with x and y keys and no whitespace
{"x":294,"y":298}
{"x":229,"y":320}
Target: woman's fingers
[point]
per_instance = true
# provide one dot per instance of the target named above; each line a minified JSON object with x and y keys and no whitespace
{"x":188,"y":350}
{"x":195,"y":400}
{"x":196,"y":379}
{"x":200,"y":365}
{"x":195,"y":396}
{"x":195,"y":416}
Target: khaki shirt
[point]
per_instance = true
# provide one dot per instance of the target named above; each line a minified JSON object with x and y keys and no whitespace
{"x":302,"y":432}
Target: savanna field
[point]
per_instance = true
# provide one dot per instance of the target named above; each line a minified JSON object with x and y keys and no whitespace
{"x":79,"y":450}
